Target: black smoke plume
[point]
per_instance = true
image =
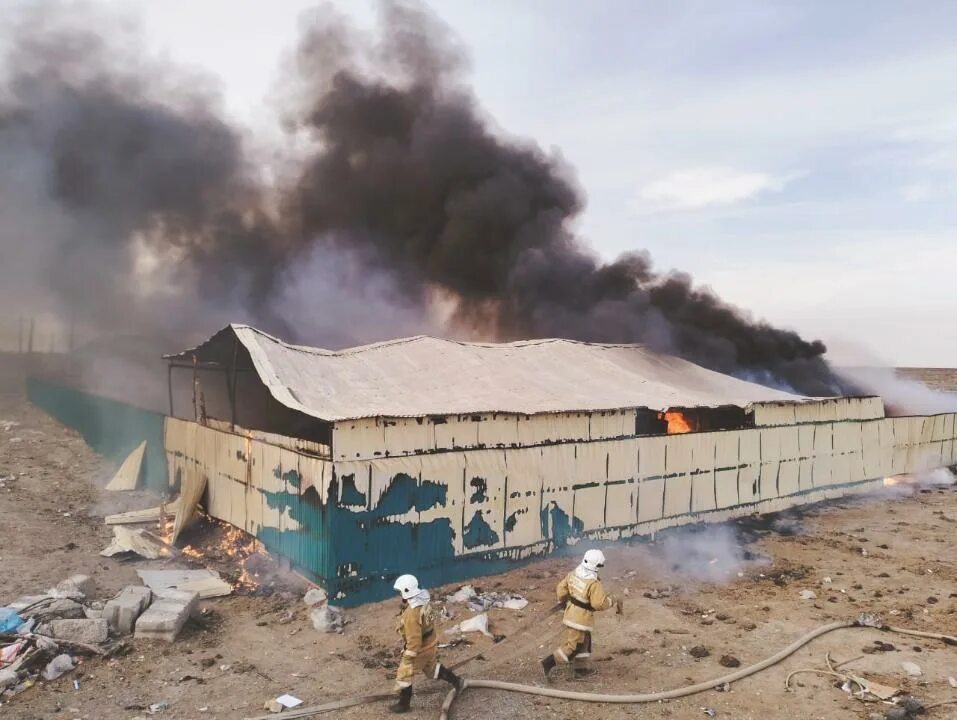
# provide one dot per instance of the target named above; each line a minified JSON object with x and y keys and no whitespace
{"x":137,"y":205}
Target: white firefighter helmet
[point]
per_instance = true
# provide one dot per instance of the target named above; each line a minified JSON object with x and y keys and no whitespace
{"x":593,"y":560}
{"x":407,"y":586}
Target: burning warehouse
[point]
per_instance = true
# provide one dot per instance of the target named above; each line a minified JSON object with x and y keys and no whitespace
{"x":451,"y":459}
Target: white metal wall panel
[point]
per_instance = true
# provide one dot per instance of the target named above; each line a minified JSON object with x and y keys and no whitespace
{"x":871,"y":440}
{"x":524,"y":469}
{"x":445,"y":469}
{"x":357,"y":439}
{"x":651,"y":456}
{"x":456,"y":432}
{"x":407,"y":436}
{"x":677,"y":495}
{"x":726,"y":487}
{"x":677,"y":466}
{"x":488,"y":466}
{"x":254,"y":496}
{"x":750,"y":458}
{"x":650,"y":499}
{"x":270,"y":483}
{"x":841,"y":469}
{"x":703,"y":452}
{"x":498,"y":431}
{"x":621,"y":497}
{"x":591,"y":464}
{"x":558,"y":476}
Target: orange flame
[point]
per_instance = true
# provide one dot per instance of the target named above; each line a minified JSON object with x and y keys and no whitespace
{"x":677,"y":422}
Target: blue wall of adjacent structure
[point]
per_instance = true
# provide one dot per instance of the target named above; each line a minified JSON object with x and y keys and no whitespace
{"x":111,"y":428}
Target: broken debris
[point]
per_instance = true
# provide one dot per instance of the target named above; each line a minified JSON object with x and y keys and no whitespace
{"x":911,"y":668}
{"x":128,"y":475}
{"x":205,"y":583}
{"x":328,"y":619}
{"x":480,"y":602}
{"x":137,"y":541}
{"x":478,"y":623}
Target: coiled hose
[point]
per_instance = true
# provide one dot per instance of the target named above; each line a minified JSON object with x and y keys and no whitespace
{"x":683,"y":691}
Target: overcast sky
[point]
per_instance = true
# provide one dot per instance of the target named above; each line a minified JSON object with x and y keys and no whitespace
{"x":799,"y":158}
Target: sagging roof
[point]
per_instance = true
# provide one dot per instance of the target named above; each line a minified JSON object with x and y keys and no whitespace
{"x":422,"y":376}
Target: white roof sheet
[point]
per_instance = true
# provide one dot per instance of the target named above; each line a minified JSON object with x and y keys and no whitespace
{"x":420,"y":376}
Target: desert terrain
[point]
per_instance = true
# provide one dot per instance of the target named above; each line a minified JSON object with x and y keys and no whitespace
{"x":696,"y":601}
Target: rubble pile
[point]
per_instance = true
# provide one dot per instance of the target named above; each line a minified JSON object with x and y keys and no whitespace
{"x":46,"y":636}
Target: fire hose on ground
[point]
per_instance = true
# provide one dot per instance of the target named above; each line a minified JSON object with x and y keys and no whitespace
{"x":863,"y":621}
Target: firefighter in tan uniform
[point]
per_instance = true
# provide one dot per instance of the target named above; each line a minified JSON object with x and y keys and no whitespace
{"x":583,"y":595}
{"x":420,"y":654}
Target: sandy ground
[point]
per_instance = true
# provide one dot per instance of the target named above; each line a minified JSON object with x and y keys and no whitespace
{"x":733,"y":590}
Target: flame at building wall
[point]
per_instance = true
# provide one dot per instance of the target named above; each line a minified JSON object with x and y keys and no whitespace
{"x":677,"y":421}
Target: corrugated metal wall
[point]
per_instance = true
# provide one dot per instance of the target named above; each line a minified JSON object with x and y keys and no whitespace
{"x":111,"y":428}
{"x":356,"y":524}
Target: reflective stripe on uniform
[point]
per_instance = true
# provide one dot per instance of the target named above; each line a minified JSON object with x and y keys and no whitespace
{"x":576,"y":626}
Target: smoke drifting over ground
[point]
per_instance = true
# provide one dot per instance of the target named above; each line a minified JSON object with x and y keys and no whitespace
{"x":708,"y":553}
{"x":132,"y":204}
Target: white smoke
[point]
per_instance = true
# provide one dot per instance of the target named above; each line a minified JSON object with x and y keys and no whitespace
{"x":901,"y":396}
{"x":706,"y":553}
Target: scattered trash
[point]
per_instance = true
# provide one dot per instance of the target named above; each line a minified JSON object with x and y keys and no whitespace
{"x":726,"y":687}
{"x":879,"y":646}
{"x":288,"y":701}
{"x":462,"y":595}
{"x":911,"y":705}
{"x":315,"y":596}
{"x":60,"y":665}
{"x":7,"y":678}
{"x":952,"y":681}
{"x":710,"y":712}
{"x":149,"y":515}
{"x":699,"y":651}
{"x":808,"y":595}
{"x":729,"y":661}
{"x":157,"y":707}
{"x":76,"y":684}
{"x":328,"y":619}
{"x":826,"y":581}
{"x":480,"y":602}
{"x":10,"y":652}
{"x":911,"y":668}
{"x":477,"y":623}
{"x":139,"y":542}
{"x":658,"y":593}
{"x":9,"y":620}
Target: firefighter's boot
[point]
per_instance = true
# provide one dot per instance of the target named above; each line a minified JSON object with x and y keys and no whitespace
{"x":548,"y":664}
{"x":405,"y":700}
{"x":443,"y":673}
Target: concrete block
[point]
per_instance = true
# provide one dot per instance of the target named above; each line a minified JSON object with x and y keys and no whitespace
{"x":91,"y":632}
{"x":167,"y":615}
{"x":76,"y":587}
{"x":123,"y":610}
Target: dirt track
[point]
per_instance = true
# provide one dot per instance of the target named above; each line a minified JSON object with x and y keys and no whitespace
{"x":242,"y":651}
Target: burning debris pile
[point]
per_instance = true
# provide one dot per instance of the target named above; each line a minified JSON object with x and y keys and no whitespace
{"x":404,"y":208}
